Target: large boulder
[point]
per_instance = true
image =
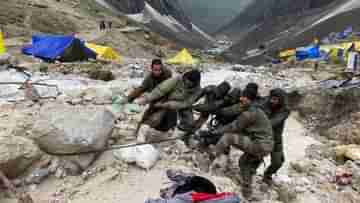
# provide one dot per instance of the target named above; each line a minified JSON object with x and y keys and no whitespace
{"x":62,"y":129}
{"x":17,"y":154}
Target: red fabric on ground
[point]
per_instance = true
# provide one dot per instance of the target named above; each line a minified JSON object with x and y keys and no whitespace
{"x":199,"y":197}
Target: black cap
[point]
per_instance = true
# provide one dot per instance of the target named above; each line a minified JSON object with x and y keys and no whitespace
{"x":252,"y":85}
{"x":193,"y":76}
{"x":156,"y":62}
{"x":250,"y":93}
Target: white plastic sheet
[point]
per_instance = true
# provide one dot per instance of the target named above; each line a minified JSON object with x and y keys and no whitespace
{"x":145,"y":156}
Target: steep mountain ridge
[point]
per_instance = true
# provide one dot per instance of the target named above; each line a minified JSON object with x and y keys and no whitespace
{"x":166,"y":17}
{"x":263,"y":11}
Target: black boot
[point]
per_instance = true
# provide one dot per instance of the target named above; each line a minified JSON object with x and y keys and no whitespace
{"x":268,"y":180}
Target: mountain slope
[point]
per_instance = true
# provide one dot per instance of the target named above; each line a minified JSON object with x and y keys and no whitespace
{"x":296,"y":30}
{"x":262,"y":11}
{"x":166,"y":17}
{"x":211,"y":15}
{"x":74,"y":16}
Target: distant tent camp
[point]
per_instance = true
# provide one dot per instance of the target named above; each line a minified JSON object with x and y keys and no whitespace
{"x":103,"y":52}
{"x":184,"y":58}
{"x":58,"y":47}
{"x":2,"y":45}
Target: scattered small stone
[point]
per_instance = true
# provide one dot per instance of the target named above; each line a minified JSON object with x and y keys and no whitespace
{"x":37,"y":176}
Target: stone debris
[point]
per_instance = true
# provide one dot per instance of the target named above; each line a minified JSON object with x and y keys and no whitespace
{"x":319,"y":177}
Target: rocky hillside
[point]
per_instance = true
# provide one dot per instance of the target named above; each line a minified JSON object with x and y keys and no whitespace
{"x":80,"y":17}
{"x":128,"y":6}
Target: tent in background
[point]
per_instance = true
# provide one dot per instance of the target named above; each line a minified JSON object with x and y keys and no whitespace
{"x":287,"y":53}
{"x":310,"y":52}
{"x":103,"y":52}
{"x":345,"y":45}
{"x":183,"y":58}
{"x":2,"y":45}
{"x":58,"y":47}
{"x":338,"y":55}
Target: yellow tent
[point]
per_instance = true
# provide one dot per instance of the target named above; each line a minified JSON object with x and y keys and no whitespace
{"x":103,"y":52}
{"x":183,"y":57}
{"x":287,"y":53}
{"x":2,"y":45}
{"x":338,"y":55}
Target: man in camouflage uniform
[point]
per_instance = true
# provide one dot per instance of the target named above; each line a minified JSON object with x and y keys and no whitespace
{"x":225,"y":109}
{"x":216,"y":98}
{"x":255,"y":87}
{"x":177,"y":94}
{"x":276,"y":108}
{"x":158,"y":119}
{"x":158,"y":73}
{"x":252,"y":133}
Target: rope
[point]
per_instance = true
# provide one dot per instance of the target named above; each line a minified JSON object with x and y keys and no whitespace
{"x":114,"y":147}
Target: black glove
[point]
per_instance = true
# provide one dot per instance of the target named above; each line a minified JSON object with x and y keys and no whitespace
{"x":217,"y":132}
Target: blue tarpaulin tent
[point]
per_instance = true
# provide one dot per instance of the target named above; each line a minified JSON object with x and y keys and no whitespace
{"x":58,"y":47}
{"x":310,"y":52}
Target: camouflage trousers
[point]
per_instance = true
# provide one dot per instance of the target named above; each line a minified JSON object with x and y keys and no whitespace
{"x":277,"y":160}
{"x":249,"y":162}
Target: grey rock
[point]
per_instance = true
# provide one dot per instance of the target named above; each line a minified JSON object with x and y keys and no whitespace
{"x":17,"y":154}
{"x":5,"y":59}
{"x":286,"y":193}
{"x":37,"y":176}
{"x":75,"y":165}
{"x":301,"y":166}
{"x":63,"y":129}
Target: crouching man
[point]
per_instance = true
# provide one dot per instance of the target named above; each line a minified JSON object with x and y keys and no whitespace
{"x":176,"y":94}
{"x":252,"y":133}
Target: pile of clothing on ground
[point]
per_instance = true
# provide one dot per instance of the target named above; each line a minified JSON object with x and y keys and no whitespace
{"x":189,"y":188}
